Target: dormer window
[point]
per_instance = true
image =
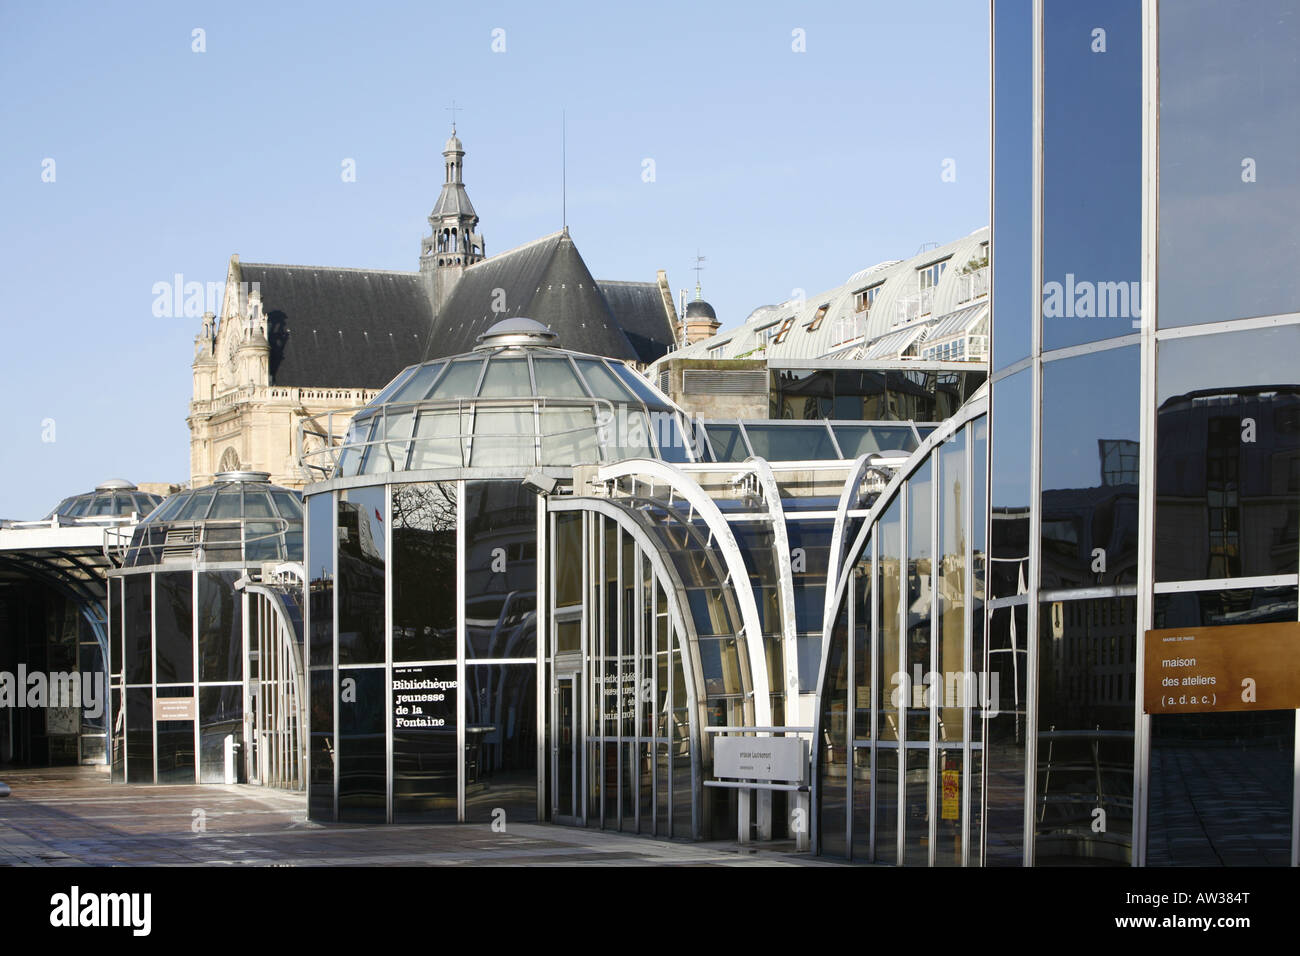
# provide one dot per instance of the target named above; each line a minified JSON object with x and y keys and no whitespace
{"x":928,"y":276}
{"x":863,"y":298}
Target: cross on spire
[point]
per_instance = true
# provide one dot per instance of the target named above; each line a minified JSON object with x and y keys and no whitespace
{"x":453,"y":109}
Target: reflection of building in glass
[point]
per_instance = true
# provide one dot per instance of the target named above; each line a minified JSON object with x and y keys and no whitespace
{"x":205,"y":638}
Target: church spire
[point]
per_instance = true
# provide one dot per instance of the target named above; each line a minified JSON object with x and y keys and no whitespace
{"x":454,"y":242}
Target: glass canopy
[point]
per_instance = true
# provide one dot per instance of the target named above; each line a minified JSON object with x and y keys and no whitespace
{"x":112,"y":499}
{"x":240,"y":517}
{"x":515,"y":401}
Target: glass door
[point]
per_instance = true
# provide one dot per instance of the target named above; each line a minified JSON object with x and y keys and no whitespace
{"x":566,"y":764}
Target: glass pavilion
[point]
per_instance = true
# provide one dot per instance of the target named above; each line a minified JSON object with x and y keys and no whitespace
{"x":204,"y":658}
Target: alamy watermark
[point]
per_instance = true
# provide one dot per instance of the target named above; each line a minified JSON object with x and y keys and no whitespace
{"x":38,"y":690}
{"x":179,"y":298}
{"x":1077,"y":298}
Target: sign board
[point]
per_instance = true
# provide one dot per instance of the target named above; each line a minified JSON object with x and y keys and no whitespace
{"x":782,"y":759}
{"x":173,"y":708}
{"x":1199,"y":670}
{"x":951,"y":795}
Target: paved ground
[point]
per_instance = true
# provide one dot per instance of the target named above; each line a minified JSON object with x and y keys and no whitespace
{"x":74,"y":817}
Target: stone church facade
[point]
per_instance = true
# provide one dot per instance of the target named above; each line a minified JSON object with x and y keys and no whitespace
{"x":295,"y":345}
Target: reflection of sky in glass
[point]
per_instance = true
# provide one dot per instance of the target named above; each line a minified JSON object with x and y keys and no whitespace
{"x":1257,"y":357}
{"x":1012,"y":183}
{"x":1092,"y":164}
{"x":1012,"y":403}
{"x":1087,"y":399}
{"x":1229,"y":90}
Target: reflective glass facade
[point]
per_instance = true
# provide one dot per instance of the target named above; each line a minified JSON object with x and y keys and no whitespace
{"x":1140,"y":420}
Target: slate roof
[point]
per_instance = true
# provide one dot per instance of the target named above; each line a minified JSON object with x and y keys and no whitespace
{"x":638,"y":308}
{"x":357,"y":328}
{"x":346,"y":328}
{"x":547,"y":280}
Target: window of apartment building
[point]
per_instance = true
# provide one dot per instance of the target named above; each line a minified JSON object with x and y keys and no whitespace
{"x":863,"y":298}
{"x":783,"y":331}
{"x":817,"y":319}
{"x":928,"y":276}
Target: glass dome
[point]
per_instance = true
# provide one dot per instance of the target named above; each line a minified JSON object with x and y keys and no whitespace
{"x":115,"y":498}
{"x":240,"y":517}
{"x":517,"y":400}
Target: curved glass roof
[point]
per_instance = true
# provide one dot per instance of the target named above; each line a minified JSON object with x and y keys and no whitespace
{"x":241,"y":516}
{"x":517,"y":400}
{"x":112,"y":499}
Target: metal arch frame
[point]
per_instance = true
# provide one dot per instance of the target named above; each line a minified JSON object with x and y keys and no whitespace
{"x":680,"y":482}
{"x":761,"y":469}
{"x":675,"y":591}
{"x":973,"y":410}
{"x":284,"y":628}
{"x":852,"y":483}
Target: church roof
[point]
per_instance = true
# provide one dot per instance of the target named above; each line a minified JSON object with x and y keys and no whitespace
{"x":346,"y":328}
{"x":638,"y":308}
{"x":453,"y":201}
{"x":547,"y":280}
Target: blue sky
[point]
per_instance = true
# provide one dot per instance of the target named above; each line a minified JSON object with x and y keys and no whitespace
{"x":785,"y":169}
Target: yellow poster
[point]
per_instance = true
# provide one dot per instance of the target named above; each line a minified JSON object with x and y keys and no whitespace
{"x":951,"y":787}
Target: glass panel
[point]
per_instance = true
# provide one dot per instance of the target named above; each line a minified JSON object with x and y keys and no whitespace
{"x":1004,"y":736}
{"x":500,"y":570}
{"x":424,"y":571}
{"x":1090,"y":469}
{"x":227,"y":504}
{"x":196,"y":506}
{"x":459,"y":381}
{"x":501,"y":742}
{"x":602,"y":382}
{"x":727,"y":443}
{"x":855,"y":440}
{"x":556,"y":378}
{"x":413,"y":386}
{"x":221,"y":715}
{"x":889,"y":693}
{"x":320,"y":784}
{"x":176,"y":742}
{"x":1092,"y":185}
{"x":1011,"y":431}
{"x":257,"y":504}
{"x":362,"y":746}
{"x":221,"y":630}
{"x":139,"y":735}
{"x":916,"y":697}
{"x":503,"y":437}
{"x":361,"y":556}
{"x":958,"y":685}
{"x":320,"y":577}
{"x":402,"y":378}
{"x":506,"y":378}
{"x":811,"y":442}
{"x":1086,"y":671}
{"x":174,"y":628}
{"x":1228,"y":455}
{"x":569,"y":436}
{"x":438,"y":439}
{"x":1013,"y":155}
{"x":568,"y":559}
{"x":138,"y":631}
{"x":1229,"y":182}
{"x":835,"y":741}
{"x":1222,"y":789}
{"x":627,"y":434}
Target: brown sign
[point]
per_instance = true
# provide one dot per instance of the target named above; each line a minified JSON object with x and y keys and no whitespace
{"x":1197,"y":670}
{"x":173,"y":708}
